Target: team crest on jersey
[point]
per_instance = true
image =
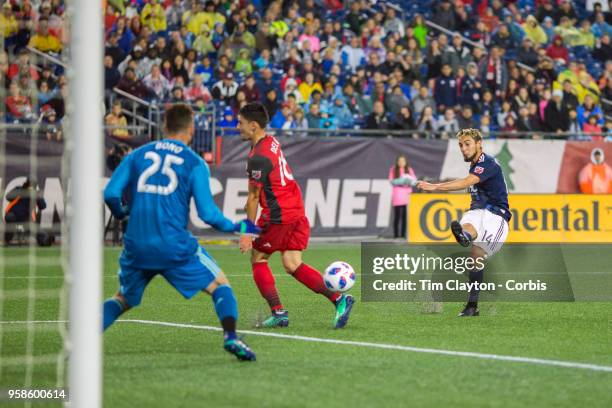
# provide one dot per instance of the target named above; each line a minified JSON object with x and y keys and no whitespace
{"x":478,"y":170}
{"x":256,"y":174}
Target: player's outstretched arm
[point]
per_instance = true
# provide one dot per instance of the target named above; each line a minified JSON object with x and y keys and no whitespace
{"x":460,"y":184}
{"x":113,"y":193}
{"x":205,"y":204}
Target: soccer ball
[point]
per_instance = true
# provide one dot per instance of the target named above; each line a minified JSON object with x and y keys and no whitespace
{"x":339,"y":276}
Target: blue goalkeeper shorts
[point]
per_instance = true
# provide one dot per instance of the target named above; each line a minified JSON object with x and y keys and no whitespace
{"x":196,"y":275}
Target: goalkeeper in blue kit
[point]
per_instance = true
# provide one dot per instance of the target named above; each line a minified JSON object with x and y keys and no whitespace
{"x":161,"y":178}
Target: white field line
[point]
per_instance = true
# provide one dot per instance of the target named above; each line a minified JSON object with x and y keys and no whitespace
{"x":469,"y":354}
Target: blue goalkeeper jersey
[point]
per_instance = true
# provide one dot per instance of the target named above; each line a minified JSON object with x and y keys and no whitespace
{"x":161,"y":178}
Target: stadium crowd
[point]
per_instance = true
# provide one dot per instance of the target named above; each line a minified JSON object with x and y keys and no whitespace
{"x":527,"y":66}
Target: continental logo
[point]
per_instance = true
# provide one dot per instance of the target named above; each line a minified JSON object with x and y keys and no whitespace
{"x":535,"y":217}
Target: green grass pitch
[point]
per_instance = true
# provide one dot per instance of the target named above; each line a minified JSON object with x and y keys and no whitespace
{"x":155,"y":366}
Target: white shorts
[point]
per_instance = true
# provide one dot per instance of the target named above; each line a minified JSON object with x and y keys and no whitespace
{"x":492,"y":229}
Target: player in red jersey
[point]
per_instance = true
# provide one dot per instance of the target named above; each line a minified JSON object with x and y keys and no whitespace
{"x":284,"y":225}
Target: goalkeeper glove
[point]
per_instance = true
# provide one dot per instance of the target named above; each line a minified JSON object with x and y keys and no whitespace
{"x":247,"y":227}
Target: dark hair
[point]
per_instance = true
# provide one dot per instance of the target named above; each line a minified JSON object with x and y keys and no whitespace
{"x":396,"y":168}
{"x":255,"y":112}
{"x":178,"y":118}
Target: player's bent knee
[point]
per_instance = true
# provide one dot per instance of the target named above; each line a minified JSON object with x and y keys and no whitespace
{"x":257,"y":256}
{"x":123,"y":301}
{"x":220,"y":280}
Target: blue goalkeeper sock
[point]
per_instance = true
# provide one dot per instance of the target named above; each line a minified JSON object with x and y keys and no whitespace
{"x":112,"y":310}
{"x":227,"y":310}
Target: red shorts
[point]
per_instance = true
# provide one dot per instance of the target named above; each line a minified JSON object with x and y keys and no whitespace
{"x":283,"y":237}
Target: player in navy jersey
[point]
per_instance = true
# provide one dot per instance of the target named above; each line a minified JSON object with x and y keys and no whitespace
{"x":161,"y":178}
{"x":486,"y":223}
{"x":284,"y":225}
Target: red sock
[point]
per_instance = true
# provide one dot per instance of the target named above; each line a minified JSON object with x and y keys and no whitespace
{"x":313,"y":279}
{"x":266,"y":284}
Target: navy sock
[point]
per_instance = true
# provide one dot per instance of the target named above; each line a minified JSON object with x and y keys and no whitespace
{"x":112,"y":310}
{"x":475,"y":276}
{"x":227,"y":310}
{"x":468,"y":235}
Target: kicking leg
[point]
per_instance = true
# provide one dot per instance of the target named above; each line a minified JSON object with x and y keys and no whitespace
{"x":226,"y":308}
{"x":312,"y":279}
{"x":465,"y":234}
{"x":113,"y":308}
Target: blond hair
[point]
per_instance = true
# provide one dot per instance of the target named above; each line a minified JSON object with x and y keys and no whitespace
{"x":473,"y":133}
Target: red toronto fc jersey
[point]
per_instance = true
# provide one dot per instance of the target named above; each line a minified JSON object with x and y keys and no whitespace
{"x":280,"y":197}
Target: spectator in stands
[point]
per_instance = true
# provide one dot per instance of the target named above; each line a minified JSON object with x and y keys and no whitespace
{"x":428,"y":122}
{"x":378,"y":118}
{"x":556,"y":115}
{"x":466,"y":119}
{"x":8,"y":25}
{"x":534,"y":32}
{"x":225,"y":89}
{"x":117,"y":122}
{"x":445,"y":90}
{"x":503,"y":38}
{"x":587,"y":109}
{"x":153,"y":16}
{"x":592,"y":127}
{"x":396,"y":100}
{"x":45,"y":93}
{"x":197,"y":90}
{"x":43,"y":40}
{"x":506,"y":110}
{"x":299,"y":122}
{"x":600,"y":26}
{"x":485,"y":125}
{"x":444,"y":15}
{"x":566,"y":10}
{"x":342,"y":113}
{"x":527,"y":54}
{"x":557,"y":50}
{"x":404,"y":120}
{"x":174,"y":15}
{"x":423,"y":100}
{"x":22,"y":66}
{"x":603,"y":49}
{"x":228,"y":122}
{"x":111,"y":74}
{"x":250,"y":89}
{"x":352,"y":54}
{"x":308,"y":86}
{"x":314,"y":116}
{"x":203,"y":43}
{"x":494,"y":73}
{"x":131,"y":84}
{"x":448,"y":124}
{"x":271,"y":102}
{"x":456,"y":55}
{"x":569,"y":97}
{"x":574,"y":125}
{"x":18,"y":107}
{"x":281,"y":117}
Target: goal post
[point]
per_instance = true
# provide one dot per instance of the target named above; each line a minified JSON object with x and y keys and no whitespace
{"x":85,"y":209}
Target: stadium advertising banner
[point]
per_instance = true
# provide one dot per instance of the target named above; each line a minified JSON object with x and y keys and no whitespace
{"x":345,"y":181}
{"x":536,"y":218}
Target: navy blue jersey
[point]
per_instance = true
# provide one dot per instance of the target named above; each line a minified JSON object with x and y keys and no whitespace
{"x":161,"y":178}
{"x":490,"y":192}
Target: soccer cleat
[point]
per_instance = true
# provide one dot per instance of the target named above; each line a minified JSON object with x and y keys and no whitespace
{"x":457,"y":231}
{"x":278,"y":318}
{"x":344,"y":305}
{"x":469,"y":311}
{"x":240,"y":349}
